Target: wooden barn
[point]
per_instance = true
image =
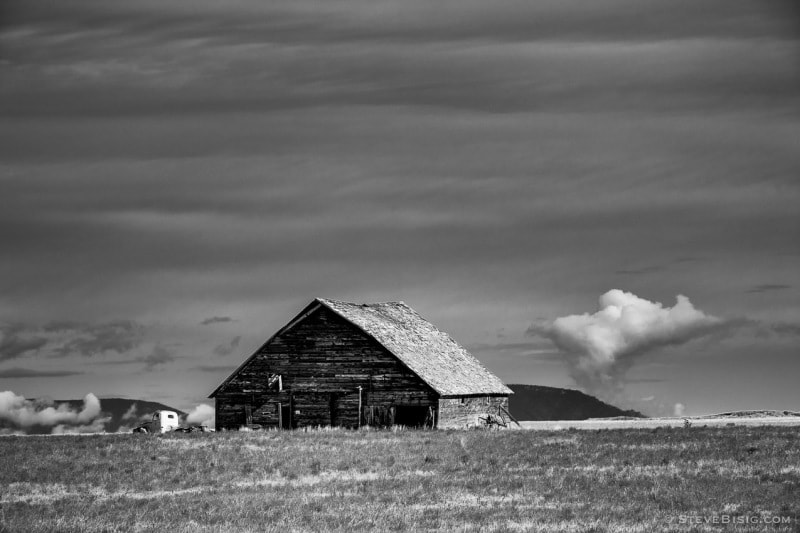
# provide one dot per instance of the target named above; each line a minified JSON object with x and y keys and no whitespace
{"x":350,"y":365}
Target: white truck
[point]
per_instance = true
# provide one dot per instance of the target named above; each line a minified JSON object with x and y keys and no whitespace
{"x":166,"y":421}
{"x":162,"y":422}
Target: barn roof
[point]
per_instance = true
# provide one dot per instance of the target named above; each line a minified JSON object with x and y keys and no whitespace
{"x":430,"y":353}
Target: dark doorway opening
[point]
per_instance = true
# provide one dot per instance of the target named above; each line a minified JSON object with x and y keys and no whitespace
{"x":333,"y":404}
{"x":285,"y":420}
{"x":410,"y":415}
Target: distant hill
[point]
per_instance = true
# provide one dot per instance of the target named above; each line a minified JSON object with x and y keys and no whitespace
{"x":117,"y":407}
{"x":124,"y":414}
{"x":754,"y":414}
{"x":536,"y":402}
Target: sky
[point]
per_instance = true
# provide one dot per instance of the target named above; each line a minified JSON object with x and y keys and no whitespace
{"x":600,"y":194}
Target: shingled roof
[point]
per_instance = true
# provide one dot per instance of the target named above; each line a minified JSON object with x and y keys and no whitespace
{"x":430,"y":353}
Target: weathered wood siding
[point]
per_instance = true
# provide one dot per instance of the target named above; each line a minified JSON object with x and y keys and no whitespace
{"x":467,"y":411}
{"x":322,"y":360}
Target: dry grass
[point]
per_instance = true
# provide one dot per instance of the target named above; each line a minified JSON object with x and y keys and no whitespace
{"x":610,"y":480}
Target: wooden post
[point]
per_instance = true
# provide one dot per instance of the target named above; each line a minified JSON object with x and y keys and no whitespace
{"x":359,"y":406}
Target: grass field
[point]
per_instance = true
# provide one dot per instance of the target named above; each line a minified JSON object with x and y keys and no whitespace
{"x":682,"y":479}
{"x":653,"y":423}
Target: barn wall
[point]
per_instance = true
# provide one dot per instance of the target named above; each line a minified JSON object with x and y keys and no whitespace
{"x":467,"y":411}
{"x":322,"y":361}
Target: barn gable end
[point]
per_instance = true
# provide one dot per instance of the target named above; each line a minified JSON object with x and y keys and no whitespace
{"x":335,"y":357}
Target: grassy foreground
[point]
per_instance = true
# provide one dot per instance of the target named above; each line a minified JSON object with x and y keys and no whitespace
{"x":614,"y":480}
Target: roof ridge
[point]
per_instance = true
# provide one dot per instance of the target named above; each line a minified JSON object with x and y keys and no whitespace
{"x":362,"y":304}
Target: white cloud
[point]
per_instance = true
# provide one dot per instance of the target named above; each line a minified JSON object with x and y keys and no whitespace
{"x":97,"y":426}
{"x":23,"y":413}
{"x":131,"y":413}
{"x":203,"y":414}
{"x":601,"y":347}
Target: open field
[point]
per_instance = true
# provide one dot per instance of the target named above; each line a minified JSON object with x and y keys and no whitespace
{"x":652,"y":423}
{"x":681,"y":479}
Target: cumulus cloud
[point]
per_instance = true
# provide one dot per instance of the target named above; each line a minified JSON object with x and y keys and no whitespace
{"x":97,"y":426}
{"x":600,"y":348}
{"x":203,"y":414}
{"x":131,"y":413}
{"x":22,"y":414}
{"x":132,"y":418}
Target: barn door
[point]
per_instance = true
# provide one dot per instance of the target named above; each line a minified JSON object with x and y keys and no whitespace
{"x":333,"y":406}
{"x":411,"y":415}
{"x":285,"y":415}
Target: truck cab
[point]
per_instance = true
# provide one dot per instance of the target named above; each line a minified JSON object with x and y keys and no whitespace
{"x":162,"y":422}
